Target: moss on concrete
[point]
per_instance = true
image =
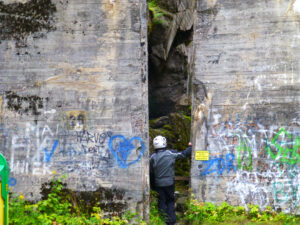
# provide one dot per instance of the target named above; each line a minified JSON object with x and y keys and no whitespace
{"x":111,"y":201}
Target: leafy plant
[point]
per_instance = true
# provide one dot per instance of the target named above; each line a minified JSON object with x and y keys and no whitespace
{"x":158,"y":16}
{"x":157,"y":12}
{"x":156,"y":218}
{"x":208,"y":213}
{"x":56,"y":208}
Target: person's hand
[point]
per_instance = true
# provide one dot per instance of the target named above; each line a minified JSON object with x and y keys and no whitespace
{"x":190,"y":144}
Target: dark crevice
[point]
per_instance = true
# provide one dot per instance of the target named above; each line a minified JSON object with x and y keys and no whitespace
{"x":168,"y":78}
{"x":169,"y":100}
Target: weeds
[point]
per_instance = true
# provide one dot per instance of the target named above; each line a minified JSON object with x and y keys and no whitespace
{"x":207,"y":213}
{"x":158,"y":16}
{"x":57,"y":209}
{"x":155,"y":216}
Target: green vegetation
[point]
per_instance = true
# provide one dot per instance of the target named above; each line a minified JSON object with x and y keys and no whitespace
{"x":58,"y":209}
{"x":208,"y":213}
{"x":157,"y":15}
{"x":155,"y":217}
{"x":156,"y":11}
{"x":176,"y":128}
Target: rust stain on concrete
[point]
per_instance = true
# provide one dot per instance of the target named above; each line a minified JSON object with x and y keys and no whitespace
{"x":79,"y":79}
{"x":201,"y":112}
{"x":290,"y":9}
{"x":293,"y":10}
{"x":254,"y":36}
{"x":115,"y":12}
{"x":110,"y":7}
{"x":211,"y":3}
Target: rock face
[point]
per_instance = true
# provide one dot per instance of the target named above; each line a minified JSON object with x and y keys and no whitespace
{"x":246,"y":103}
{"x":175,"y":127}
{"x":171,"y":29}
{"x":74,"y":98}
{"x":170,"y":56}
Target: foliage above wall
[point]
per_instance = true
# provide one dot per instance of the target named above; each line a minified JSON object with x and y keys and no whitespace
{"x":157,"y":15}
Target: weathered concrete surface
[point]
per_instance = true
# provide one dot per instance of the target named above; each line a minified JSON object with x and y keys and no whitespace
{"x":246,"y":103}
{"x":74,"y":98}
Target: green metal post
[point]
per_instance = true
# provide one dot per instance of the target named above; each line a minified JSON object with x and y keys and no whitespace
{"x":4,"y":174}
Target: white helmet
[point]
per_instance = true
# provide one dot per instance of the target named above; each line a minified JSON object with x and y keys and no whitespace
{"x":159,"y":142}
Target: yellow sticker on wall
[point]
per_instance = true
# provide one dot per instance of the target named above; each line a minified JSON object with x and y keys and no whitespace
{"x":202,"y":155}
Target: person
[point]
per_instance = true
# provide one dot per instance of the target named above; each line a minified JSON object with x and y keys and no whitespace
{"x":162,"y":175}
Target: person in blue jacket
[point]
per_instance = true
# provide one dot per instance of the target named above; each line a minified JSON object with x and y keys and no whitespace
{"x":162,"y":175}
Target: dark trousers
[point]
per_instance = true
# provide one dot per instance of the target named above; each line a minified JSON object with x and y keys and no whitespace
{"x":166,"y":202}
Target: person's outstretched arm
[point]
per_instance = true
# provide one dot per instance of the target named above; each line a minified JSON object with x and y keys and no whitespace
{"x":185,"y":153}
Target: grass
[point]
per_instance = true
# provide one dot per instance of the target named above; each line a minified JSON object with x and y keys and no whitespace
{"x":58,"y":209}
{"x":207,"y":213}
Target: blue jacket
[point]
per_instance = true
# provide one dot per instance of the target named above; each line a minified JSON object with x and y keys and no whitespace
{"x":162,"y":166}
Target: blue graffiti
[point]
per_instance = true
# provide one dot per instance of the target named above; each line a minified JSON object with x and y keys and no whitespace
{"x":124,"y":149}
{"x":48,"y":155}
{"x":12,"y":182}
{"x":230,"y":160}
{"x":220,"y":165}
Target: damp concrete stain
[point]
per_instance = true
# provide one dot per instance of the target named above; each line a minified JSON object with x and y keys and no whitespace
{"x":19,"y":20}
{"x":112,"y":201}
{"x":24,"y":105}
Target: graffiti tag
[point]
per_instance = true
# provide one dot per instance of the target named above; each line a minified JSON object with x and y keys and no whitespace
{"x":284,"y":154}
{"x":220,"y":165}
{"x":123,"y":149}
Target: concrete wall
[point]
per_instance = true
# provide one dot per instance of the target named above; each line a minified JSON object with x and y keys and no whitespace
{"x":246,"y":102}
{"x":74,"y":99}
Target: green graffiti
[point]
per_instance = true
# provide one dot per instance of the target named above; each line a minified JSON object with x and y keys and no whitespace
{"x":285,"y":155}
{"x":279,"y":193}
{"x":242,"y":163}
{"x":286,"y":191}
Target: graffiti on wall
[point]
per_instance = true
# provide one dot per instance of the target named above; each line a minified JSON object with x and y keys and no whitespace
{"x":218,"y":165}
{"x":48,"y":154}
{"x":76,"y":120}
{"x":286,"y":185}
{"x":244,"y":156}
{"x":29,"y":105}
{"x":122,"y":149}
{"x":94,"y":142}
{"x":287,"y":148}
{"x":12,"y":181}
{"x":264,"y":162}
{"x":36,"y":149}
{"x":32,"y":149}
{"x":87,"y":142}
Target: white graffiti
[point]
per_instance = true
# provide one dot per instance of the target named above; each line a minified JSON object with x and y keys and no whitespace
{"x":271,"y":179}
{"x":32,"y":149}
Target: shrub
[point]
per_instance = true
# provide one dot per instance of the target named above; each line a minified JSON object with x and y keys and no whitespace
{"x":156,"y":218}
{"x":57,"y":209}
{"x":208,"y":213}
